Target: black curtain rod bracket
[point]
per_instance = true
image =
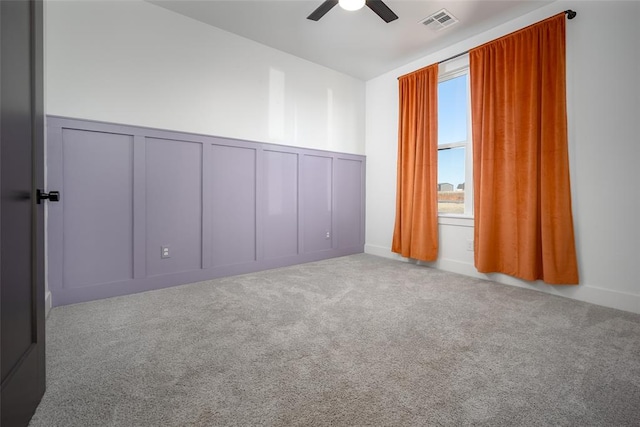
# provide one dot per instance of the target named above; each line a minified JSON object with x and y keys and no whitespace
{"x":570,"y":13}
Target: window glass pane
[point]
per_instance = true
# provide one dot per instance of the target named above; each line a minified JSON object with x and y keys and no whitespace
{"x":451,"y":172}
{"x":452,"y":110}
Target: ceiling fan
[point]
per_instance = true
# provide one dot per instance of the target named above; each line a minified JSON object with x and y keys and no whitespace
{"x":381,"y":9}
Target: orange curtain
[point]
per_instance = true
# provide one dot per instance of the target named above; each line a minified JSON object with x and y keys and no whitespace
{"x":416,"y":228}
{"x":522,"y":201}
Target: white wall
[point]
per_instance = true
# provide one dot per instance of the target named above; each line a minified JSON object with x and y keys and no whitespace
{"x":135,"y":63}
{"x":132,"y":62}
{"x":603,"y":65}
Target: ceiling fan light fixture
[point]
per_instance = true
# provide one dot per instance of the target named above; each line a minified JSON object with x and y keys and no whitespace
{"x":351,"y":4}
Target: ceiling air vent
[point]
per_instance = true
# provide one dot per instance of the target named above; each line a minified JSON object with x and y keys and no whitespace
{"x":439,"y":20}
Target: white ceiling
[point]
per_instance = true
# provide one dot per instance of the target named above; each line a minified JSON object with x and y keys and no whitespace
{"x":356,"y":43}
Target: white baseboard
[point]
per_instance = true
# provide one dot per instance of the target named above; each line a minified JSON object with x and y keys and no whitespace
{"x":383,"y":252}
{"x":587,"y":293}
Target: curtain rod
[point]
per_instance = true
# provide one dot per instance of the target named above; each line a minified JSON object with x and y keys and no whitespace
{"x":570,"y":15}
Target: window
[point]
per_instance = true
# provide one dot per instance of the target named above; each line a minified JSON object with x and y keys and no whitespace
{"x":455,"y":171}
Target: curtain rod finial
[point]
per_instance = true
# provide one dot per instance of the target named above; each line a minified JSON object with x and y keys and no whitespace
{"x":571,"y":13}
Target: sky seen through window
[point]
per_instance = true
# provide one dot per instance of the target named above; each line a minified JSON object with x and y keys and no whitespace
{"x":452,"y":127}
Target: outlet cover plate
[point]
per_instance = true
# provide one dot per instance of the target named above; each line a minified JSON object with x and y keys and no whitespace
{"x":165,"y":252}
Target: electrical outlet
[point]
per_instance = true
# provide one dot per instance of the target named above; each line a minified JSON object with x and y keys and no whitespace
{"x":470,"y":245}
{"x":328,"y":235}
{"x":165,"y":253}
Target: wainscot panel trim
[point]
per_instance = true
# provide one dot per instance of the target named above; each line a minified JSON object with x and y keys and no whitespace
{"x":264,"y":194}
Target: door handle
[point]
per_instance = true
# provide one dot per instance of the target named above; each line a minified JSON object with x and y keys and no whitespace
{"x":52,"y":196}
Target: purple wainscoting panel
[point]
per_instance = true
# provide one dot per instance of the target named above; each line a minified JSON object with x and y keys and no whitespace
{"x":280,"y":204}
{"x":233,"y":191}
{"x":221,"y":206}
{"x":317,"y":202}
{"x":98,"y":208}
{"x":139,"y":207}
{"x":174,"y":205}
{"x":348,"y":203}
{"x":207,"y":207}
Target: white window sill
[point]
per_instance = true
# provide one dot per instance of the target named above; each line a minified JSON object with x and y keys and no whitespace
{"x":456,"y":220}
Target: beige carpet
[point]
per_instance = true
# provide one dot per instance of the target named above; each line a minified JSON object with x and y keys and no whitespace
{"x":358,"y":340}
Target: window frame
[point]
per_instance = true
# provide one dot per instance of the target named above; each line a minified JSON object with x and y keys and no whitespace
{"x":447,"y":71}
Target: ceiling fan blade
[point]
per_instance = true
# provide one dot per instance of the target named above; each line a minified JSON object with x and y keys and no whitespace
{"x":325,"y":7}
{"x":382,"y":10}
